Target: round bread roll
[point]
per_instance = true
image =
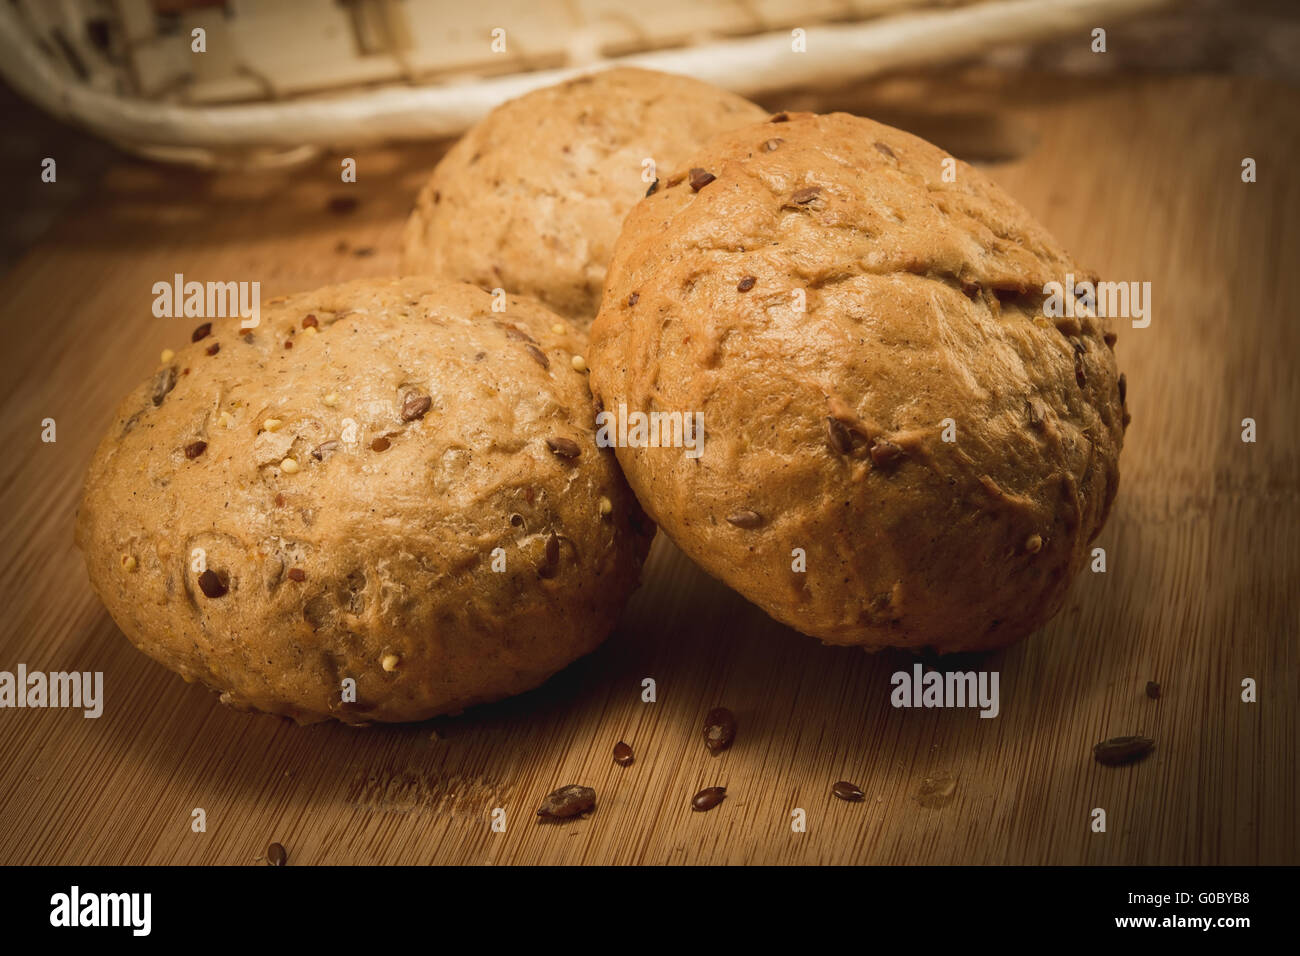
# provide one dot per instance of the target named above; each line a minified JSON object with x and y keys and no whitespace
{"x":384,"y":481}
{"x":531,"y":199}
{"x":900,"y":448}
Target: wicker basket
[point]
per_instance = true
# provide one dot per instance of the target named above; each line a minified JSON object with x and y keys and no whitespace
{"x":280,"y":79}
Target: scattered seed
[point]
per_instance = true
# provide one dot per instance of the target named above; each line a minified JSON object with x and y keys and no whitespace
{"x":167,"y":355}
{"x":202,"y":332}
{"x":289,"y":466}
{"x":563,"y":447}
{"x":780,"y":118}
{"x":1153,"y":690}
{"x":623,"y":755}
{"x":272,"y":424}
{"x":745,"y":519}
{"x":276,"y":856}
{"x":310,"y":322}
{"x":806,"y":195}
{"x":297,"y":574}
{"x":848,"y":791}
{"x":325,"y":449}
{"x":517,"y":334}
{"x":195,"y":448}
{"x":331,"y":399}
{"x":884,"y":149}
{"x":772,"y":144}
{"x":839,"y":435}
{"x":579,"y":363}
{"x":538,"y":355}
{"x":1034,"y":543}
{"x":163,"y":383}
{"x":1037,"y":413}
{"x":557,"y":328}
{"x":633,"y":299}
{"x":719,"y":729}
{"x":745,"y":284}
{"x":288,"y":343}
{"x":700,"y":178}
{"x":310,"y":330}
{"x":211,"y":585}
{"x":552,"y":552}
{"x":380,"y":444}
{"x":885,"y":452}
{"x":1121,"y":750}
{"x":654,"y":186}
{"x":606,"y":507}
{"x":279,"y":500}
{"x":708,"y":798}
{"x":390,"y":662}
{"x":415,"y":405}
{"x":129,"y":563}
{"x":1123,"y":388}
{"x":567,"y":802}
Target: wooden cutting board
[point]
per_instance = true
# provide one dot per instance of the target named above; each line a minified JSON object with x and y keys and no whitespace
{"x":1140,"y":177}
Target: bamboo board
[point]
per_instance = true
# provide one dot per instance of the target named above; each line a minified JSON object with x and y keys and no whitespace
{"x":1140,"y":177}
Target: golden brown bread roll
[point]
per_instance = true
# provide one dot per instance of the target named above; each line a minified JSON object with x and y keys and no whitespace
{"x":835,"y":309}
{"x":384,"y":481}
{"x":531,"y":199}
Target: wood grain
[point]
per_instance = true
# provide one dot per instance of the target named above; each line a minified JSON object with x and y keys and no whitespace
{"x":1140,"y":177}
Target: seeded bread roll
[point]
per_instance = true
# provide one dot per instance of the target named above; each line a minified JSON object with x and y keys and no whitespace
{"x":531,"y":199}
{"x":384,"y":481}
{"x":837,"y":311}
